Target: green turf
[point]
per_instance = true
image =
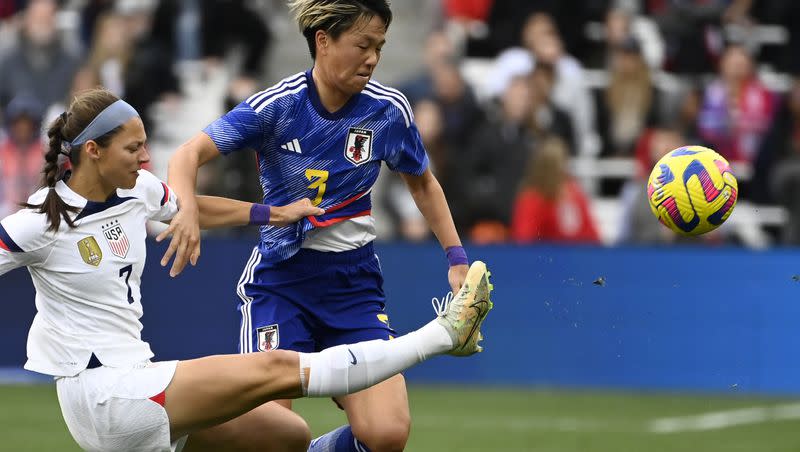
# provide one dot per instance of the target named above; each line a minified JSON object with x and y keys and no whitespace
{"x":466,"y":420}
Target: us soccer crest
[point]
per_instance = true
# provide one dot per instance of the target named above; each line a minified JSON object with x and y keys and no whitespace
{"x":359,"y":145}
{"x":117,"y":239}
{"x":90,"y":251}
{"x":268,"y":338}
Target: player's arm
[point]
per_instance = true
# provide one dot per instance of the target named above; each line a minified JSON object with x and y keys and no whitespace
{"x":430,"y":200}
{"x":216,"y":212}
{"x":240,"y":128}
{"x":182,"y":176}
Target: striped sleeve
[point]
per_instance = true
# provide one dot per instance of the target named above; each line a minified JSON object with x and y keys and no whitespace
{"x":23,"y":240}
{"x":161,"y":201}
{"x":7,"y":243}
{"x":406,"y":153}
{"x":245,"y":126}
{"x":240,"y":128}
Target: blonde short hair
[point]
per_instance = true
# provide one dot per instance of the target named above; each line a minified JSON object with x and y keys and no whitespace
{"x":334,"y":17}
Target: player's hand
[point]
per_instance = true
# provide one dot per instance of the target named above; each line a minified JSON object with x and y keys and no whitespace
{"x":456,"y":277}
{"x":185,"y":244}
{"x":292,"y":213}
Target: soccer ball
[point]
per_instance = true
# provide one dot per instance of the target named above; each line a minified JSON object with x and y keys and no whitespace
{"x":692,"y":190}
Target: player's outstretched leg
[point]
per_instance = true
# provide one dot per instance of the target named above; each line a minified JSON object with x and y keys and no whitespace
{"x":211,"y":390}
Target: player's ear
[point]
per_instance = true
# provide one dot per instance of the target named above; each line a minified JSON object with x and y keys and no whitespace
{"x":321,"y":38}
{"x":92,"y":149}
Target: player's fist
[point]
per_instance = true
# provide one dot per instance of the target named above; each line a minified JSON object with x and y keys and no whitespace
{"x":291,"y":213}
{"x":456,"y":276}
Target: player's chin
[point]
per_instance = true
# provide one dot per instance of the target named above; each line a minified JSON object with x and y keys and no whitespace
{"x":130,"y":181}
{"x":360,"y":82}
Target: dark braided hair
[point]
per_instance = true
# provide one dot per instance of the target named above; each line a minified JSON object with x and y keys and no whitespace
{"x":83,"y":109}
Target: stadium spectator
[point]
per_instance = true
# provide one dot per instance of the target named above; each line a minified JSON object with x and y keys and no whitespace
{"x":439,"y":49}
{"x":551,"y":206}
{"x":21,"y":152}
{"x":737,"y":108}
{"x":490,"y":168}
{"x":777,"y":170}
{"x":90,"y":12}
{"x":518,"y":59}
{"x":546,"y":117}
{"x":630,"y":101}
{"x":461,"y":111}
{"x":542,"y":44}
{"x":149,"y":73}
{"x":39,"y":64}
{"x":108,"y":56}
{"x":691,"y":31}
{"x":685,"y":115}
{"x":621,"y":25}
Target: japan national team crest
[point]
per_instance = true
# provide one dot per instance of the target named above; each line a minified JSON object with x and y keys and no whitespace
{"x":268,"y":338}
{"x":90,"y":251}
{"x":117,"y":239}
{"x":359,"y":145}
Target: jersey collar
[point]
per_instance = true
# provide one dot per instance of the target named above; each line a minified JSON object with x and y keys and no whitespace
{"x":69,"y":196}
{"x":87,"y":207}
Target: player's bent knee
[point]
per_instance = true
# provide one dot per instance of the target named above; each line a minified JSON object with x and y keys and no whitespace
{"x":385,"y":434}
{"x":288,"y":441}
{"x":280,"y":372}
{"x":295,"y":436}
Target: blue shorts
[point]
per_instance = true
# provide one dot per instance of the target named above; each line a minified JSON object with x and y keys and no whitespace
{"x":312,"y":301}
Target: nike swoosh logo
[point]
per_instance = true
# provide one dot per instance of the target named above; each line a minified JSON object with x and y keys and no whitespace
{"x":482,"y":307}
{"x":354,"y":361}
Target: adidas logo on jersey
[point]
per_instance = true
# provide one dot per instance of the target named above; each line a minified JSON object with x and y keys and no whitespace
{"x":293,"y":146}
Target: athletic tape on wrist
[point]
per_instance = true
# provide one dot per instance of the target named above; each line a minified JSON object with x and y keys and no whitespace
{"x":456,"y":256}
{"x":259,"y":214}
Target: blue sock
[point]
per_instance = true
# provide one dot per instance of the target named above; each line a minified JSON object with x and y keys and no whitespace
{"x":339,"y":440}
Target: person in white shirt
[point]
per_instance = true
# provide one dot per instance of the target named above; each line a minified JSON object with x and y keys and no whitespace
{"x":82,"y":238}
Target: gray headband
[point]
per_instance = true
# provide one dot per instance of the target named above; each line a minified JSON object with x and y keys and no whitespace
{"x":109,"y":119}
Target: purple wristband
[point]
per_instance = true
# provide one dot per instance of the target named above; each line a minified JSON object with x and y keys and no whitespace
{"x":259,"y":214}
{"x":456,"y":256}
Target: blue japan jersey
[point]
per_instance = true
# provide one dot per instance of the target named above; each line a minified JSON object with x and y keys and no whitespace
{"x":304,"y":151}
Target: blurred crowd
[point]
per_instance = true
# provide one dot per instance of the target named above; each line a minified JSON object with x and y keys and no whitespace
{"x":542,"y":118}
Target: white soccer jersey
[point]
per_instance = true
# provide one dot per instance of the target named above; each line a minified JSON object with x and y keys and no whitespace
{"x":86,"y":278}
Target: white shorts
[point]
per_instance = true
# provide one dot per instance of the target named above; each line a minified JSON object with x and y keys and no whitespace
{"x":109,"y":409}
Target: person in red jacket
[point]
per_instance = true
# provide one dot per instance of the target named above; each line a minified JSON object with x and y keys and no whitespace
{"x":551,"y":205}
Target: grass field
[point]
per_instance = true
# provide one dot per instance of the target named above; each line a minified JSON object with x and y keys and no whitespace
{"x":470,"y":420}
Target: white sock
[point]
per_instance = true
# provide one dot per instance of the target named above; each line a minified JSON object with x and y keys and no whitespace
{"x":345,"y":369}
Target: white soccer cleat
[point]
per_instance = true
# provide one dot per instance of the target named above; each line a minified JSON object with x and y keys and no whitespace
{"x":463,"y":315}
